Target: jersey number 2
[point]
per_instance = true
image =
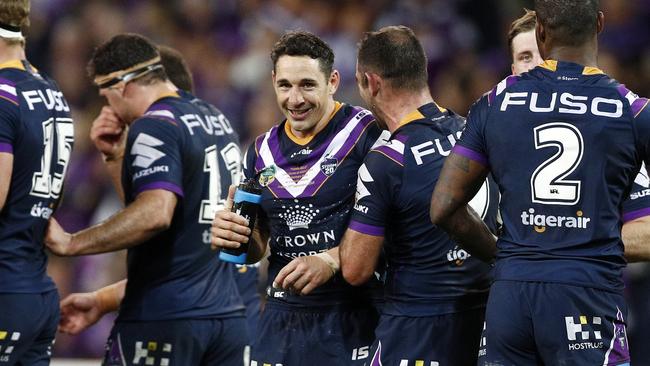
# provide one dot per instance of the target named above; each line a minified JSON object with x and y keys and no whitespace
{"x":48,"y":182}
{"x":548,"y":183}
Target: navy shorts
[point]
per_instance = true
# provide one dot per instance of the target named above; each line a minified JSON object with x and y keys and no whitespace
{"x":535,"y":323}
{"x":178,"y":342}
{"x":28,"y":325}
{"x":307,"y":337}
{"x":449,"y":339}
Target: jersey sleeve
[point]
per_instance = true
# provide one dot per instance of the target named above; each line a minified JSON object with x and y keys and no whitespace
{"x":641,"y":111}
{"x":638,"y":204}
{"x":9,"y":123}
{"x":153,"y":156}
{"x":378,"y":185}
{"x":472,"y":142}
{"x":250,"y":159}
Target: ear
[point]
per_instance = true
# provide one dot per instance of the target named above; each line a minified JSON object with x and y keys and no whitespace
{"x":334,"y":81}
{"x":273,"y":76}
{"x":600,"y":22}
{"x":512,"y":68}
{"x":374,"y":83}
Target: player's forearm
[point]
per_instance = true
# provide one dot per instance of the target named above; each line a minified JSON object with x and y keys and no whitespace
{"x":6,"y":167}
{"x":147,"y":216}
{"x":636,"y":238}
{"x":114,"y":168}
{"x":110,"y":297}
{"x":257,"y":246}
{"x":470,"y":232}
{"x":358,"y":255}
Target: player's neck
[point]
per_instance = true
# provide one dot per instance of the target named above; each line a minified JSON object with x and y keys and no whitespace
{"x":397,"y":105}
{"x":586,"y":55}
{"x":11,"y":52}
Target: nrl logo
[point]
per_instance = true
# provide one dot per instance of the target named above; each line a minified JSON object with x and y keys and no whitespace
{"x":266,"y":176}
{"x":328,"y":166}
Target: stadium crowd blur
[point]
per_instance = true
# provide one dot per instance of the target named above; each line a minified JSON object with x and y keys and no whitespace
{"x":227,"y":44}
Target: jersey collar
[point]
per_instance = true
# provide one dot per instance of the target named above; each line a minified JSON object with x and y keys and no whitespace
{"x":553,"y":65}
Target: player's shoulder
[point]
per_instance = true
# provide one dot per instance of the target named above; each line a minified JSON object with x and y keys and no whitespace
{"x":162,"y":114}
{"x":389,"y":153}
{"x":354,"y":116}
{"x":489,"y":98}
{"x":637,"y":104}
{"x":15,"y":81}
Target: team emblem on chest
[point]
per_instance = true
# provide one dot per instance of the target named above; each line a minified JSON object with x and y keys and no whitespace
{"x":328,"y":165}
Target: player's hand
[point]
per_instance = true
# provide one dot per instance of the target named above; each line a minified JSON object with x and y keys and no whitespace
{"x":78,"y":312}
{"x":108,"y":133}
{"x":58,"y":240}
{"x":229,"y":230}
{"x":303,"y":274}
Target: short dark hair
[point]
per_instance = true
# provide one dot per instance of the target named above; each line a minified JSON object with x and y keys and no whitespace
{"x":302,"y":43}
{"x":122,"y":52}
{"x":15,"y":13}
{"x":176,"y":68}
{"x":523,"y":24}
{"x":568,"y":22}
{"x":395,"y":54}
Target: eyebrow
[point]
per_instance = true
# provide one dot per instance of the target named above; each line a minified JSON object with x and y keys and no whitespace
{"x":308,"y":80}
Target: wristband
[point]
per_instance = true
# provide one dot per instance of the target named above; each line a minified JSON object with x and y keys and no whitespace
{"x":330,"y":261}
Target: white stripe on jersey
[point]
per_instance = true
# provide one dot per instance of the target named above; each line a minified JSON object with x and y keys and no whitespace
{"x":9,"y":89}
{"x":297,"y":188}
{"x":161,"y":113}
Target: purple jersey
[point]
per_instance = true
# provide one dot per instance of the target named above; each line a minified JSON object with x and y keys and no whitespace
{"x":564,"y":143}
{"x":309,"y":192}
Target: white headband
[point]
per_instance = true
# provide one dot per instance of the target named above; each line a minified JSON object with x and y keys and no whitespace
{"x":8,"y":31}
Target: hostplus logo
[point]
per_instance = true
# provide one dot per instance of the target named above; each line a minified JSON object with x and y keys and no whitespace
{"x":299,"y":216}
{"x":7,"y":344}
{"x":148,"y":354}
{"x":584,"y":334}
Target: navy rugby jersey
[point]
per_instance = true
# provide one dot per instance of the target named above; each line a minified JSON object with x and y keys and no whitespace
{"x":638,"y":203}
{"x":309,"y":192}
{"x":564,"y":143}
{"x":191,"y":151}
{"x":36,"y":127}
{"x":428,"y":274}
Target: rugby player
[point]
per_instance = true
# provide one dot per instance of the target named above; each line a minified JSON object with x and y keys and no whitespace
{"x":36,"y":138}
{"x":435,"y":293}
{"x":564,"y":142}
{"x":307,"y":165}
{"x":176,"y":161}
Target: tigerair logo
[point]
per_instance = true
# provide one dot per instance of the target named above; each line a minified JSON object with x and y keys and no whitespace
{"x":457,"y":256}
{"x":254,"y":363}
{"x":299,"y":216}
{"x":584,"y":334}
{"x":540,"y":222}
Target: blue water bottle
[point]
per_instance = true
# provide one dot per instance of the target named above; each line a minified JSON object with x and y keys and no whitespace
{"x":246,"y":203}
